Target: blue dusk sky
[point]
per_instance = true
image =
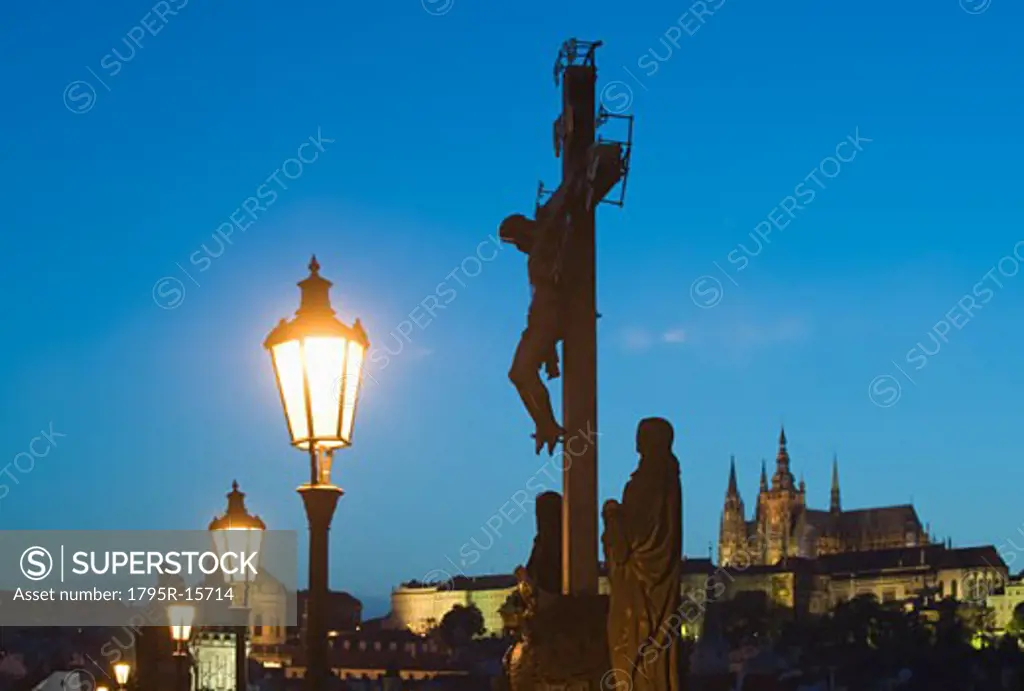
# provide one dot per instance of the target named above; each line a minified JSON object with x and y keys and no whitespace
{"x":820,"y":229}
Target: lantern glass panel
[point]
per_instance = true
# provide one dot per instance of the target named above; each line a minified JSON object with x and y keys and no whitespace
{"x":242,"y":541}
{"x":288,"y":366}
{"x":180,"y":618}
{"x":325,"y":370}
{"x":350,"y":389}
{"x":121,"y":670}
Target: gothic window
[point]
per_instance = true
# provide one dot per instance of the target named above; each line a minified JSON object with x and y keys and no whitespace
{"x":952,"y":589}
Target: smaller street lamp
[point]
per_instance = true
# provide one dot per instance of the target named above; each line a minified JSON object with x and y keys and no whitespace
{"x":121,"y":672}
{"x":239,"y":533}
{"x":180,"y":618}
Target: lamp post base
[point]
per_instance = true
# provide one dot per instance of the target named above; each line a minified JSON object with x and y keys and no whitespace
{"x":320,"y":501}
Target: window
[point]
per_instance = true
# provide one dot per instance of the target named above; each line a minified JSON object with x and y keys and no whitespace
{"x":888,"y":595}
{"x":257,"y":625}
{"x":952,"y":589}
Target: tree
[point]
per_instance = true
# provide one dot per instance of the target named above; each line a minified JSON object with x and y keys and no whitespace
{"x":460,"y":624}
{"x":512,"y":612}
{"x":975,"y":618}
{"x":1016,"y":625}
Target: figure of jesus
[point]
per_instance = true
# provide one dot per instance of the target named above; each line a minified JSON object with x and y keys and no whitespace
{"x":543,"y":326}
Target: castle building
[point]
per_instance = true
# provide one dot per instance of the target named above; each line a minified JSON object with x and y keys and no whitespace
{"x":1004,"y":603}
{"x":784,"y":526}
{"x":420,"y":607}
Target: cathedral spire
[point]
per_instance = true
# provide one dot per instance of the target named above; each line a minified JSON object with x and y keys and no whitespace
{"x":782,"y":477}
{"x":835,"y":506}
{"x":764,"y":476}
{"x":733,"y":491}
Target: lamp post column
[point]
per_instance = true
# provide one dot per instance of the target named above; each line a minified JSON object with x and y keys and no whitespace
{"x":241,"y":642}
{"x":320,"y":501}
{"x":241,"y":676}
{"x":183,"y":671}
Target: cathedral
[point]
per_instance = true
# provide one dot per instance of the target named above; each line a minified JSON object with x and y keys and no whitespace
{"x":784,"y":526}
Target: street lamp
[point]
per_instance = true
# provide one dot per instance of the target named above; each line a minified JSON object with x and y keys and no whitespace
{"x":180,"y":619}
{"x":236,"y":532}
{"x":121,"y":672}
{"x":318,"y":364}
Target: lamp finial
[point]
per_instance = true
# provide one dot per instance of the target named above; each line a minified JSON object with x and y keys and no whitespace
{"x":315,"y":298}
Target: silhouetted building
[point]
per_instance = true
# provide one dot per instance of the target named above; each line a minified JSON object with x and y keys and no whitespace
{"x":375,"y":655}
{"x":344,"y":613}
{"x":274,"y":646}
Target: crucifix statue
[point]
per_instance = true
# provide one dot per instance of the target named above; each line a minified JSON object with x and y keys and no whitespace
{"x":590,"y":171}
{"x":563,"y":642}
{"x":560,"y":248}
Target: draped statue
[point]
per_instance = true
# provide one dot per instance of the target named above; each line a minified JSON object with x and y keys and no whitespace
{"x":539,"y":584}
{"x":643,"y":549}
{"x":545,"y":564}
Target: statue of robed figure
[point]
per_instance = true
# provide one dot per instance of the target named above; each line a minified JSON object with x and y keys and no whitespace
{"x":538,"y":586}
{"x":643,"y":549}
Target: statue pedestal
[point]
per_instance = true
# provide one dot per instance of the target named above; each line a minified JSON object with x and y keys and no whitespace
{"x":564,"y":647}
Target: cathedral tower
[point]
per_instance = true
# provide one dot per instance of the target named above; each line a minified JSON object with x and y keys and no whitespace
{"x":783,"y":502}
{"x":733,"y":530}
{"x":783,"y":478}
{"x":759,"y":512}
{"x":834,"y":506}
